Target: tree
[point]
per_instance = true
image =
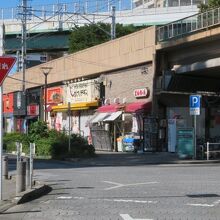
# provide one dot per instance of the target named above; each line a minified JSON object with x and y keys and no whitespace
{"x":210,"y":5}
{"x":90,"y":35}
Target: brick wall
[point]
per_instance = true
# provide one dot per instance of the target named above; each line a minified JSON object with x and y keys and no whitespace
{"x":121,"y":84}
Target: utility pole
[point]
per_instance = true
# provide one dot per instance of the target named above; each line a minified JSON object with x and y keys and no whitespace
{"x":23,"y":39}
{"x":2,"y":38}
{"x":113,"y":24}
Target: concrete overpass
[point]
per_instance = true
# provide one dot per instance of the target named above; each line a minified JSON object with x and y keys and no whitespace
{"x":188,"y":62}
{"x":49,"y":25}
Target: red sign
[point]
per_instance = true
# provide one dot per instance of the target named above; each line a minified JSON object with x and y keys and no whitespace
{"x":6,"y":63}
{"x":54,"y":95}
{"x":8,"y":103}
{"x":33,"y":110}
{"x":144,"y":92}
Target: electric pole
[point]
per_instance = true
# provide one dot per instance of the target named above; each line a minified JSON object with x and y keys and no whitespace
{"x":113,"y":25}
{"x":23,"y":39}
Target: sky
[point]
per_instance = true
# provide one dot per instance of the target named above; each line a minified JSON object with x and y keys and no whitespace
{"x":15,"y":3}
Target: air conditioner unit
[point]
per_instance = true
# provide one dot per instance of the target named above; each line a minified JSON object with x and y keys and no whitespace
{"x":107,"y":102}
{"x":116,"y":100}
{"x":124,"y":100}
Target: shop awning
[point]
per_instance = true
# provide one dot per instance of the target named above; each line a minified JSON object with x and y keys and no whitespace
{"x":75,"y":106}
{"x":110,"y":108}
{"x":99,"y":117}
{"x":113,"y":116}
{"x":138,"y":106}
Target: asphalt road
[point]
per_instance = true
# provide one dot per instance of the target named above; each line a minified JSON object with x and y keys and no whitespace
{"x":125,"y":192}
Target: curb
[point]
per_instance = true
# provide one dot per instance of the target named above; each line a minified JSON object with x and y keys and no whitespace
{"x":26,"y":196}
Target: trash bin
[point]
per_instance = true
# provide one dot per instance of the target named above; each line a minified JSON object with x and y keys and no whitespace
{"x":128,"y":144}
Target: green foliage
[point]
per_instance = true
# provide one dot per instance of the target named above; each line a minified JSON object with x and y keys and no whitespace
{"x":50,"y":143}
{"x":9,"y":140}
{"x":93,"y":34}
{"x":210,"y":5}
{"x":78,"y":147}
{"x":38,"y":130}
{"x":43,"y":147}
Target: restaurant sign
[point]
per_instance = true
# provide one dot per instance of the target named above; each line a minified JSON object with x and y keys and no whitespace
{"x":33,"y":110}
{"x":142,"y":93}
{"x":85,"y":91}
{"x":54,"y":95}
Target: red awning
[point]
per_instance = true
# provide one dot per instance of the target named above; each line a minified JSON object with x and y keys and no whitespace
{"x":138,"y":106}
{"x":110,"y":108}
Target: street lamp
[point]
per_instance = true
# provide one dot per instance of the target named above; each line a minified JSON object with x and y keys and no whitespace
{"x":46,"y":70}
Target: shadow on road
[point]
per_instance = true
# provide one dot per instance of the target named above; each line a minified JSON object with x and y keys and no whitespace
{"x":105,"y":159}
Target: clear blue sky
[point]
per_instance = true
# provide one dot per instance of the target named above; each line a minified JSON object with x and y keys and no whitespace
{"x":14,"y":3}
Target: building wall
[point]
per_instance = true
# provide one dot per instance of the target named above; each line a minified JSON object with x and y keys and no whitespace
{"x":121,"y":84}
{"x":129,"y":50}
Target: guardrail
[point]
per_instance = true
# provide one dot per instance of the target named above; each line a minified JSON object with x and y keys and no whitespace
{"x":212,"y":151}
{"x":188,"y":25}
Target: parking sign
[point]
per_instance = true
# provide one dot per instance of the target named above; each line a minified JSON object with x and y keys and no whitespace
{"x":194,"y":103}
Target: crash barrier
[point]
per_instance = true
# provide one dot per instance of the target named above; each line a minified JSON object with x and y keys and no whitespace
{"x":215,"y":150}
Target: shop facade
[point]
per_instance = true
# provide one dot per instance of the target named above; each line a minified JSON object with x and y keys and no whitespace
{"x":80,"y":100}
{"x":33,"y":105}
{"x":8,"y":112}
{"x":127,"y":101}
{"x":20,"y":111}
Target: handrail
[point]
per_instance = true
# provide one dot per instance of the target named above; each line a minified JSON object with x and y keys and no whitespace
{"x":208,"y":143}
{"x":188,"y":25}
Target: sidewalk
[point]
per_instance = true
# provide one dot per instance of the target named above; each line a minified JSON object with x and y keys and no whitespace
{"x":10,"y":199}
{"x":8,"y":189}
{"x":135,"y":159}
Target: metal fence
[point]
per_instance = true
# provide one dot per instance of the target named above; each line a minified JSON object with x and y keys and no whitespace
{"x":215,"y":149}
{"x":76,"y":6}
{"x":188,"y":25}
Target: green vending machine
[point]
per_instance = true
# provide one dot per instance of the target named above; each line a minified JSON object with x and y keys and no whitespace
{"x":185,"y":143}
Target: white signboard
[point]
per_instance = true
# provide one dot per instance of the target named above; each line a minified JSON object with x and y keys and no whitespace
{"x":85,"y":91}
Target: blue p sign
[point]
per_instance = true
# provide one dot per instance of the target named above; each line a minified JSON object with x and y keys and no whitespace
{"x":194,"y":103}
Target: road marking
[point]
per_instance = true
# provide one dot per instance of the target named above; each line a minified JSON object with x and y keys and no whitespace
{"x":131,"y":201}
{"x":76,"y":197}
{"x":69,"y":197}
{"x":119,"y":185}
{"x":128,"y":217}
{"x":64,"y":197}
{"x":204,"y":205}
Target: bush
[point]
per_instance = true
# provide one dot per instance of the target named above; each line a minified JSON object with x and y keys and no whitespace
{"x":78,"y":147}
{"x":43,"y":147}
{"x":49,"y":142}
{"x":38,"y":130}
{"x":9,"y":140}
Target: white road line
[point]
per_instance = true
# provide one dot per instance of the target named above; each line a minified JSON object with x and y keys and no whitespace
{"x":131,"y":201}
{"x":119,"y":185}
{"x":128,"y":217}
{"x":77,"y":197}
{"x":204,"y":205}
{"x":64,"y":197}
{"x":200,"y":205}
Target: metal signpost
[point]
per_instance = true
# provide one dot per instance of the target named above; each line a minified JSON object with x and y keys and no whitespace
{"x":6,"y":64}
{"x":194,"y":102}
{"x":32,"y":153}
